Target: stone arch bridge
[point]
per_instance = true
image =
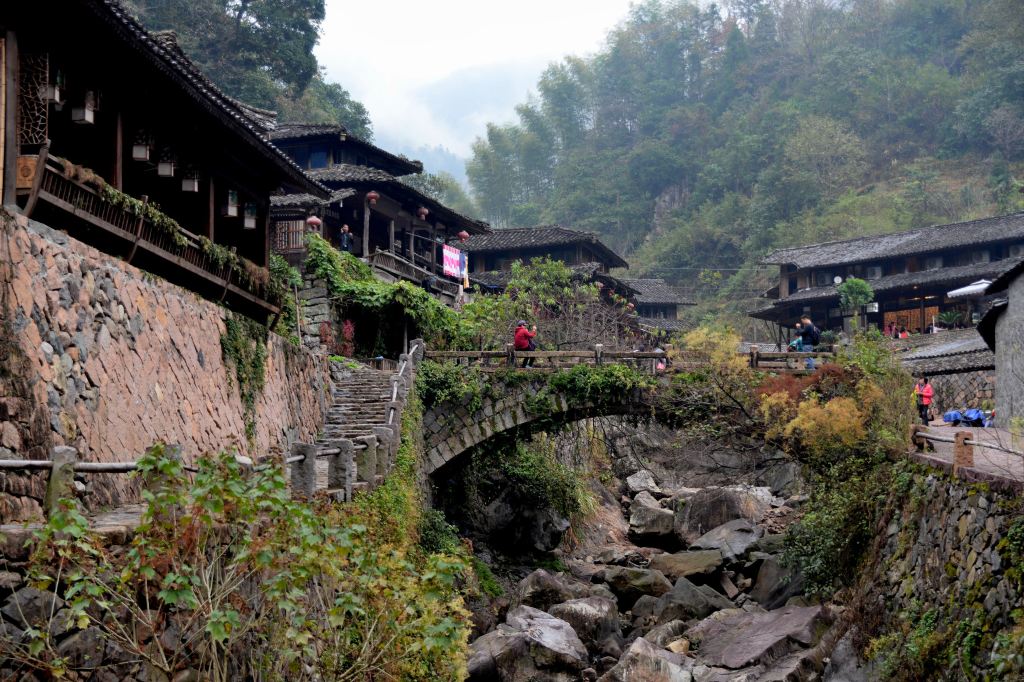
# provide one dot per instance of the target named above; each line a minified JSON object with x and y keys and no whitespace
{"x":450,"y":430}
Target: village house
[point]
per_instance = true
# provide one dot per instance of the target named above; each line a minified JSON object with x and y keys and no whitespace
{"x":147,"y":159}
{"x":497,"y":250}
{"x":1002,"y":329}
{"x":658,"y":304}
{"x":399,"y":230}
{"x":915,"y":275}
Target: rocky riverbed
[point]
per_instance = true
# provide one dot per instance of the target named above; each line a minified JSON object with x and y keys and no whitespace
{"x":663,"y":583}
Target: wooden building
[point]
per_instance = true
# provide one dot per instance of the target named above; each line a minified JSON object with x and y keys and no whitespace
{"x":398,"y":229}
{"x":1002,"y":329}
{"x":912,"y":274}
{"x":110,"y":133}
{"x":658,"y":304}
{"x":498,"y":249}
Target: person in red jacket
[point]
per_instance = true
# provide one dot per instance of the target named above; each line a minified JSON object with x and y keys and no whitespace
{"x":523,"y":340}
{"x":924,"y":393}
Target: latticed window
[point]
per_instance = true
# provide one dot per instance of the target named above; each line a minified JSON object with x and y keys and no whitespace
{"x":290,"y":234}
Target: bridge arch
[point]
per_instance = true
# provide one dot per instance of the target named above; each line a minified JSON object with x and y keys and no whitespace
{"x":451,"y":430}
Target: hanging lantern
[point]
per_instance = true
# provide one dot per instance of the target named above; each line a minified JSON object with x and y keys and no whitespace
{"x":141,"y":146}
{"x":422,"y":213}
{"x":85,"y":114}
{"x":463,"y":236}
{"x":231,"y":207}
{"x":372,"y":197}
{"x":165,"y":167}
{"x":250,"y":216}
{"x":599,"y":285}
{"x":52,"y":91}
{"x":630,"y":306}
{"x":190,"y":180}
{"x":314,"y":222}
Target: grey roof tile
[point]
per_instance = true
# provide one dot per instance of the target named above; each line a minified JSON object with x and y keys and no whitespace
{"x":657,"y":291}
{"x":539,"y":237}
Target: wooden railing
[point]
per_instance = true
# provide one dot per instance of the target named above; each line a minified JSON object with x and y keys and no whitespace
{"x":399,"y":267}
{"x":85,"y":203}
{"x":786,"y":362}
{"x":551,"y":360}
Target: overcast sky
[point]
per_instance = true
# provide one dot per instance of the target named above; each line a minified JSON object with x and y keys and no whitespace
{"x":434,"y":72}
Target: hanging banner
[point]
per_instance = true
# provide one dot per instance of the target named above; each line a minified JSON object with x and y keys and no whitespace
{"x":452,"y":261}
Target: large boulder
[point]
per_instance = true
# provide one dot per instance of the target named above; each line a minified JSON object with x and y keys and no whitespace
{"x":644,"y":661}
{"x":686,"y":600}
{"x":711,"y":507}
{"x":642,"y":481}
{"x":685,"y":564}
{"x":776,"y":584}
{"x":737,"y":639}
{"x":541,"y":590}
{"x":629,"y":584}
{"x":593,"y":618}
{"x":531,"y":645}
{"x":646,"y":523}
{"x":731,"y":539}
{"x":29,"y":607}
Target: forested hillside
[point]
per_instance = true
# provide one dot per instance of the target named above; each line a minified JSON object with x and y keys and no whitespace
{"x":701,"y":137}
{"x":260,"y":52}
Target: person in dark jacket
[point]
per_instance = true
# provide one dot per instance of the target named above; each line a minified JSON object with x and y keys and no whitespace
{"x":523,"y":340}
{"x":810,"y":336}
{"x":347,"y":240}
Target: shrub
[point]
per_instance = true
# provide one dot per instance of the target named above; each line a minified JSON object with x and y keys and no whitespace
{"x":824,"y":433}
{"x":438,"y":383}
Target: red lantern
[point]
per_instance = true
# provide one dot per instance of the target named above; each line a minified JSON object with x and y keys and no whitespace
{"x":599,"y":285}
{"x":630,"y":306}
{"x":314,"y":222}
{"x":422,"y":213}
{"x":372,"y":197}
{"x":463,"y":236}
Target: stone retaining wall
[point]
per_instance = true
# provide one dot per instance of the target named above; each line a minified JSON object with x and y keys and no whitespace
{"x":963,"y":389}
{"x":113,"y":359}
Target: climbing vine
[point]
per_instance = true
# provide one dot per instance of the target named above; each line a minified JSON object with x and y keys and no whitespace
{"x":243,"y":346}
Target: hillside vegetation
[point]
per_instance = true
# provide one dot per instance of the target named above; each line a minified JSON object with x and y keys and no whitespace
{"x":701,"y":137}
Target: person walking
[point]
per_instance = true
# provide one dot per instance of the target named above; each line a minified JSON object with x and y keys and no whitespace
{"x":924,"y":393}
{"x":524,"y":340}
{"x":347,"y":240}
{"x":810,"y":336}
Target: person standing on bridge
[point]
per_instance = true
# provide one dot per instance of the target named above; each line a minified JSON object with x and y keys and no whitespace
{"x":924,"y":393}
{"x":347,"y":240}
{"x":523,"y":340}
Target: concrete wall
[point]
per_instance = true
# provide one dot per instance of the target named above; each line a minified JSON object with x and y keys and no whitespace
{"x":111,"y":359}
{"x":1010,"y":357}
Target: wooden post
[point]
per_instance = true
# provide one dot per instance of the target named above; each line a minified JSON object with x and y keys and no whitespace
{"x":211,"y":215}
{"x":10,"y":114}
{"x":963,"y":454}
{"x":304,"y":472}
{"x":433,"y":251}
{"x":754,"y":352}
{"x":37,"y":181}
{"x":391,"y":236}
{"x":510,"y":350}
{"x":366,"y":227}
{"x":138,"y":230}
{"x":62,"y":477}
{"x":117,"y":179}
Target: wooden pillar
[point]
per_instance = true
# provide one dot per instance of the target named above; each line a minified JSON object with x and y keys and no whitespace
{"x":963,"y":454}
{"x":366,"y":228}
{"x":433,"y":250}
{"x":391,"y":236}
{"x":265,"y":210}
{"x":117,"y":177}
{"x":211,"y":215}
{"x":10,"y":111}
{"x":923,"y":325}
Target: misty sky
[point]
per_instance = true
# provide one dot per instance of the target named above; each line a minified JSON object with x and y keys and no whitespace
{"x":435,"y":72}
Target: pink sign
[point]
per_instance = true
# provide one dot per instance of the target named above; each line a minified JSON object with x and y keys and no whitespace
{"x":454,"y":262}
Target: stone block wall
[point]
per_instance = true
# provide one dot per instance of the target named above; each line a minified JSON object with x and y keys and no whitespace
{"x":963,"y":389}
{"x":109,"y":359}
{"x":941,"y":551}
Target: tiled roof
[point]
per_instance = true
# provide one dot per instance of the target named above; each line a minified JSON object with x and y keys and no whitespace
{"x":297,"y":131}
{"x":294,"y":131}
{"x":955,"y":276}
{"x":987,"y":326}
{"x":953,"y":342}
{"x":967,"y":361}
{"x":924,"y":240}
{"x":163,"y":51}
{"x":537,"y":238}
{"x":345,"y":172}
{"x":947,"y":352}
{"x":1002,"y":281}
{"x":657,"y":292}
{"x":662,"y":324}
{"x":499,"y":279}
{"x":308,"y":200}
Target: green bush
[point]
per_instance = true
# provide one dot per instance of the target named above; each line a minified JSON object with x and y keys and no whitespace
{"x":437,"y":536}
{"x":438,"y":383}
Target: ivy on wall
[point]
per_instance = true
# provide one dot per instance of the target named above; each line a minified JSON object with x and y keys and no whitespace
{"x":243,"y":346}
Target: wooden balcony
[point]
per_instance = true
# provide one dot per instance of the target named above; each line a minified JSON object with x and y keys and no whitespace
{"x":398,"y":267}
{"x":178,"y":256}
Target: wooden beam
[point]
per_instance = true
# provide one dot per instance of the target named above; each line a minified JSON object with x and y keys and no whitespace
{"x":366,"y":228}
{"x":10,"y":117}
{"x":117,"y":179}
{"x":212,"y":214}
{"x":391,"y":236}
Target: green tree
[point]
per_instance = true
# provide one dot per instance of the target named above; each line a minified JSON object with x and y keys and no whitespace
{"x":854,"y":294}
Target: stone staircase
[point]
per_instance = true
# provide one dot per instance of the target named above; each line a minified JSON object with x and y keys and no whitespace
{"x":357,"y":445}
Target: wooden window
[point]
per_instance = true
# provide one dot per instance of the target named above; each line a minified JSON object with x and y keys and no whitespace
{"x":290,"y":235}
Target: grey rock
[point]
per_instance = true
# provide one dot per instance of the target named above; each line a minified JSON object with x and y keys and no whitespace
{"x":737,"y":639}
{"x":712,"y":507}
{"x":629,"y":584}
{"x":646,"y":662}
{"x":642,"y":481}
{"x":776,"y":584}
{"x":686,"y":600}
{"x":683,"y":564}
{"x":531,"y":645}
{"x":645,"y":499}
{"x":593,"y":618}
{"x":647,"y":521}
{"x":31,"y":607}
{"x":732,"y":539}
{"x":9,"y":581}
{"x":666,"y":633}
{"x":83,"y":649}
{"x":541,"y":590}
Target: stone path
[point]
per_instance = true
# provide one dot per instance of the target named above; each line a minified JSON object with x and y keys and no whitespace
{"x":988,"y":460}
